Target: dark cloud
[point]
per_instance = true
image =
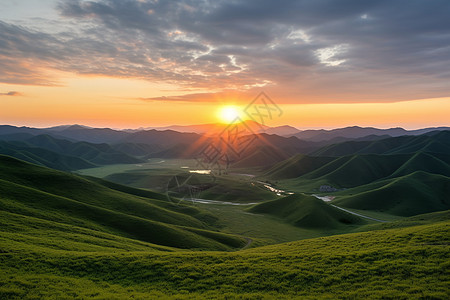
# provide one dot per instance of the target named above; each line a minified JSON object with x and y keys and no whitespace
{"x":11,"y":93}
{"x":321,"y":50}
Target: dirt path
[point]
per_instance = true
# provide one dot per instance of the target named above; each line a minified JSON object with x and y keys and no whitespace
{"x":249,"y":242}
{"x":359,"y":215}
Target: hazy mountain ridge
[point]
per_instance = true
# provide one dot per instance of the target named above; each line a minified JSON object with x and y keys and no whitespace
{"x":63,"y":154}
{"x":108,"y":135}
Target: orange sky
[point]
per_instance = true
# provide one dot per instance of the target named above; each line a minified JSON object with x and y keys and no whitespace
{"x":327,"y":64}
{"x":114,"y":102}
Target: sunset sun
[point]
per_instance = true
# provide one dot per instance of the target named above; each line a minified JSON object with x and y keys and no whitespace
{"x":228,"y":114}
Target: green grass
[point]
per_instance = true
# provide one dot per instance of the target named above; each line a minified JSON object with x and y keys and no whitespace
{"x":307,"y":212}
{"x":409,"y":195}
{"x":400,"y":263}
{"x":436,"y":143}
{"x":156,"y":176}
{"x":263,"y":229}
{"x":63,"y":236}
{"x":355,"y":170}
{"x":153,"y":163}
{"x":55,"y":196}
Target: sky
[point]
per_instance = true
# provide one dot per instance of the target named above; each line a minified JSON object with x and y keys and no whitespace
{"x":139,"y":63}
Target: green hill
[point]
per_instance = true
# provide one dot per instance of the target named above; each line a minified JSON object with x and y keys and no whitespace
{"x":398,"y":263}
{"x":297,"y":166}
{"x":355,"y":170}
{"x":44,"y":157}
{"x":50,"y":195}
{"x":66,"y":155}
{"x":436,"y":142}
{"x":101,"y":154}
{"x":306,"y":211}
{"x":409,"y":195}
{"x":223,"y":188}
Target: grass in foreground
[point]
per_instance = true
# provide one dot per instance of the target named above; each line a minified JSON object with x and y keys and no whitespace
{"x":400,"y":263}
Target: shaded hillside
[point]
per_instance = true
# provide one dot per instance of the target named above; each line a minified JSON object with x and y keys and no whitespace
{"x":224,"y":188}
{"x":264,"y":150}
{"x":54,"y":196}
{"x":409,"y":195}
{"x":166,"y":138}
{"x":355,"y":132}
{"x":101,"y":154}
{"x":307,"y":212}
{"x":136,"y":149}
{"x":297,"y":166}
{"x":436,"y":142}
{"x":91,"y":135}
{"x":44,"y":157}
{"x":355,"y":170}
{"x":66,"y":155}
{"x":263,"y":156}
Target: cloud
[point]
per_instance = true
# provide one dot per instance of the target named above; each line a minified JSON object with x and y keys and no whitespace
{"x":219,"y":97}
{"x":298,"y":51}
{"x":11,"y":93}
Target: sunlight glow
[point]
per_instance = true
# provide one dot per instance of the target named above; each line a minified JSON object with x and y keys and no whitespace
{"x":229,"y":114}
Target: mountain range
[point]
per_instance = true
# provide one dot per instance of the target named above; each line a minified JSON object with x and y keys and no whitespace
{"x":74,"y":147}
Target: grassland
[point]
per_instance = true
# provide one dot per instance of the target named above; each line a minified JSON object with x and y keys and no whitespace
{"x":308,"y":212}
{"x":399,"y":263}
{"x":51,"y":195}
{"x":157,"y":173}
{"x":64,"y":236}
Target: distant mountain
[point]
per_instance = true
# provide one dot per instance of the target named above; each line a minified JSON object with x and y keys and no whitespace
{"x":284,"y":130}
{"x":112,"y":136}
{"x":166,"y":138}
{"x":211,"y":129}
{"x":92,"y":135}
{"x":65,"y":155}
{"x":435,"y":141}
{"x":272,"y":145}
{"x":359,"y":132}
{"x":44,"y":157}
{"x":263,"y":151}
{"x":64,"y":127}
{"x":354,"y":170}
{"x":8,"y":130}
{"x":214,"y":128}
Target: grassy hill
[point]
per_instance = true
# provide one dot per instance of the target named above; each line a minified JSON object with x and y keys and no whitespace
{"x":100,"y":154}
{"x":307,"y":211}
{"x":50,"y":195}
{"x":65,"y":155}
{"x":398,"y":263}
{"x":436,"y":142}
{"x":297,"y":166}
{"x":356,"y":170}
{"x":224,"y":188}
{"x":409,"y":195}
{"x":44,"y":157}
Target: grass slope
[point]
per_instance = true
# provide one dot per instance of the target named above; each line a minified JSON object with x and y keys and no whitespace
{"x":223,"y":188}
{"x":409,"y":195}
{"x":44,"y":157}
{"x":356,"y":170}
{"x":307,"y":212}
{"x":67,"y":155}
{"x":437,"y":142}
{"x":399,"y":263}
{"x":68,"y":199}
{"x":297,"y":166}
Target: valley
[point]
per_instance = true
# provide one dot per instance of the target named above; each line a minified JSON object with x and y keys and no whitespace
{"x":126,"y":223}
